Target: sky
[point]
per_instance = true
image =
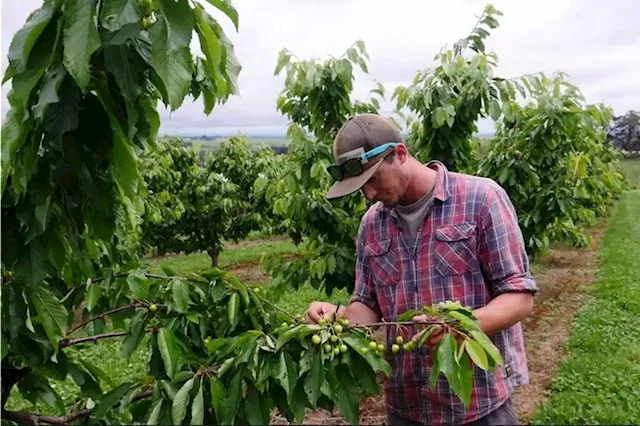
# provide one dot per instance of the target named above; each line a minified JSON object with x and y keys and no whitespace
{"x":596,"y":42}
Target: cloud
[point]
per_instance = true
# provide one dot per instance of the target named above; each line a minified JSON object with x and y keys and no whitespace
{"x":596,"y":43}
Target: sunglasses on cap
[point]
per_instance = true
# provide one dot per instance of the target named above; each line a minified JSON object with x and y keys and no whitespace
{"x":355,"y":166}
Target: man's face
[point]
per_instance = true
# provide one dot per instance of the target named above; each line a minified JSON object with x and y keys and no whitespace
{"x":387,"y":185}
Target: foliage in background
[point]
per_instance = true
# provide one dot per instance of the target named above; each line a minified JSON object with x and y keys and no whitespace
{"x":317,"y":100}
{"x":625,"y":133}
{"x":85,"y":80}
{"x":167,"y":169}
{"x":194,"y":207}
{"x":444,"y":104}
{"x":552,"y":158}
{"x":235,"y":160}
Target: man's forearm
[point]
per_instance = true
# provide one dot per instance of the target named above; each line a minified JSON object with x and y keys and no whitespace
{"x":504,"y":311}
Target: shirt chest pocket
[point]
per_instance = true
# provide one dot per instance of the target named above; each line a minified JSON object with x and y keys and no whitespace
{"x":385,"y":262}
{"x":455,"y":249}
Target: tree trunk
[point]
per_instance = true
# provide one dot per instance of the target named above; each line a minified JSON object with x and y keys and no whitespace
{"x":214,"y":254}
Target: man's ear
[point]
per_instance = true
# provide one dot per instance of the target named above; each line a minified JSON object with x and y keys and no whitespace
{"x":402,"y":153}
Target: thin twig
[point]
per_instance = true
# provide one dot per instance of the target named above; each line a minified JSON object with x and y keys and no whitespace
{"x":70,"y":342}
{"x":273,"y":305}
{"x":389,"y":324}
{"x":22,"y":417}
{"x":104,"y":314}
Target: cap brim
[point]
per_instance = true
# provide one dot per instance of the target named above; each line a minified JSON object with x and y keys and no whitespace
{"x":352,"y":184}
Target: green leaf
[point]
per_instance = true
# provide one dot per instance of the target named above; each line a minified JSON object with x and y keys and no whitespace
{"x":299,"y":331}
{"x":115,"y":14}
{"x":494,"y":110}
{"x":197,"y":409}
{"x":466,"y":379}
{"x":376,"y":362}
{"x":286,"y":373}
{"x":34,"y":387}
{"x":346,"y":392}
{"x":170,"y":36}
{"x":314,"y":379}
{"x":41,"y":212}
{"x":127,"y":68}
{"x":179,"y":406}
{"x":231,"y":402}
{"x":139,"y":285}
{"x":283,"y":59}
{"x":10,"y":141}
{"x":124,"y":167}
{"x":438,"y":117}
{"x":425,"y":335}
{"x":254,"y":409}
{"x":155,"y":413}
{"x":168,"y":350}
{"x":477,"y":353}
{"x":242,"y":289}
{"x":209,"y":42}
{"x":226,"y":7}
{"x":488,"y":346}
{"x":133,"y":339}
{"x":180,"y":291}
{"x":298,"y":403}
{"x":25,"y":38}
{"x":96,"y":371}
{"x":465,"y":321}
{"x":434,"y":372}
{"x":49,"y":92}
{"x":447,"y":357}
{"x":92,"y":296}
{"x":63,"y":116}
{"x":218,"y":392}
{"x":108,"y":400}
{"x":81,"y":39}
{"x":408,"y":315}
{"x":233,"y":310}
{"x":53,"y":315}
{"x":3,"y":345}
{"x":32,"y":267}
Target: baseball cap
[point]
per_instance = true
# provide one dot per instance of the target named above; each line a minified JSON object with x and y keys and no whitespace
{"x":360,"y":134}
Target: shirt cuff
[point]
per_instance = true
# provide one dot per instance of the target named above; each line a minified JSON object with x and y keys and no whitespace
{"x":515,"y":284}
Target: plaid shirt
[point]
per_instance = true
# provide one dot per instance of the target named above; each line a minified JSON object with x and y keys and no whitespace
{"x":469,"y":249}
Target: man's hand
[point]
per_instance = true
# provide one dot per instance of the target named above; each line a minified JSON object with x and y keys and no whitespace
{"x":436,"y":335}
{"x":319,"y":310}
{"x":356,"y":313}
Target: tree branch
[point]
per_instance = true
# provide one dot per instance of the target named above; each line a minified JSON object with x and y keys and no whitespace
{"x":37,"y":419}
{"x":70,"y":342}
{"x":22,"y":417}
{"x":104,"y":314}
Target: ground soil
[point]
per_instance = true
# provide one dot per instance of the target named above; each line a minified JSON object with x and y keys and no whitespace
{"x":564,"y":277}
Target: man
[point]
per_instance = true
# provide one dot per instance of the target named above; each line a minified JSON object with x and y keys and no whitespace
{"x":433,"y":235}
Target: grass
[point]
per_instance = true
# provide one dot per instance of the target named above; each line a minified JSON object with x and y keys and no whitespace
{"x":198,"y":262}
{"x":599,"y":381}
{"x":106,"y":355}
{"x":297,"y":302}
{"x":631,"y":167}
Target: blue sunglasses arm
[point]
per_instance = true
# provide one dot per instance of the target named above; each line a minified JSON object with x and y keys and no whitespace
{"x":378,"y":150}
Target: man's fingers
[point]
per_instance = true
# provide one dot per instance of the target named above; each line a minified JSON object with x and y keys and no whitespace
{"x":419,"y":318}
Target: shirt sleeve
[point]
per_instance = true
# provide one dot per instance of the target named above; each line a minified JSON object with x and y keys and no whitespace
{"x":502,"y":251}
{"x":364,"y":291}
